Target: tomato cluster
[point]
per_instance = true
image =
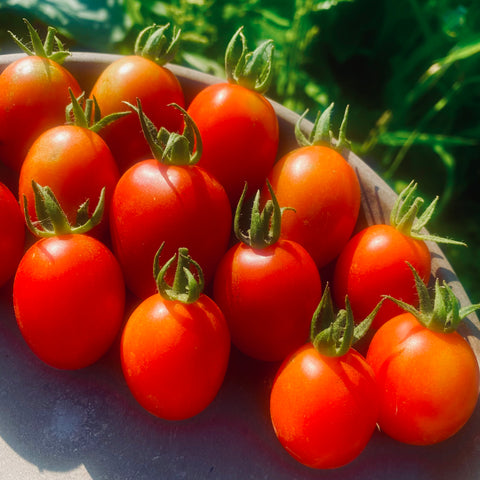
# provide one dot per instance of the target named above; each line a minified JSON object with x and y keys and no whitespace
{"x":217,"y":242}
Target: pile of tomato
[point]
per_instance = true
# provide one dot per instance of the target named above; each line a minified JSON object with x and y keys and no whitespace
{"x":129,"y":192}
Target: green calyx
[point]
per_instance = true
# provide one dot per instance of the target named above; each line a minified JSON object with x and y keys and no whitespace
{"x":152,"y":43}
{"x":332,"y":334}
{"x":53,"y":220}
{"x":404,"y":216}
{"x":46,"y":49}
{"x":171,"y":148}
{"x":252,"y":70}
{"x":185,"y":288}
{"x":86,"y":113}
{"x":265,"y":224}
{"x":322,"y":133}
{"x":438,"y":310}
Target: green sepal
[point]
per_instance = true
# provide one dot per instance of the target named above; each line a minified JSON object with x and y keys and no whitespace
{"x":403,"y":216}
{"x":153,"y":43}
{"x":265,"y":224}
{"x":86,"y":113}
{"x":52,"y":218}
{"x":46,"y":49}
{"x":171,"y":148}
{"x":186,"y":288}
{"x":439,"y":310}
{"x":252,"y":70}
{"x":333,"y":333}
{"x":322,"y":133}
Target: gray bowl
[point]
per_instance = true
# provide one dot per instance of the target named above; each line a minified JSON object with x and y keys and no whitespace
{"x":86,"y":425}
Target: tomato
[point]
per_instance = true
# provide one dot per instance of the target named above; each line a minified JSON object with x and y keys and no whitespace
{"x":324,"y":409}
{"x":324,"y":191}
{"x":124,"y":80}
{"x":268,"y":297}
{"x":239,"y":130}
{"x":76,"y":164}
{"x":33,"y":97}
{"x":181,"y":205}
{"x":175,"y":354}
{"x":69,"y":297}
{"x":429,"y":381}
{"x":12,"y":234}
{"x":372,"y":264}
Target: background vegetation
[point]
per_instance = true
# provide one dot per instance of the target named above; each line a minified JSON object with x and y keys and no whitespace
{"x":410,"y":73}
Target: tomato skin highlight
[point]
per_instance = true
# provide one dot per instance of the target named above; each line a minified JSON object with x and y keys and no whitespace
{"x":183,"y":206}
{"x":33,"y":97}
{"x":76,"y":164}
{"x":372,"y":264}
{"x":324,"y":409}
{"x":324,"y":190}
{"x":428,"y":381}
{"x":69,"y":298}
{"x":239,"y":131}
{"x":125,"y":80}
{"x":12,"y":234}
{"x":174,"y":355}
{"x":268,"y":297}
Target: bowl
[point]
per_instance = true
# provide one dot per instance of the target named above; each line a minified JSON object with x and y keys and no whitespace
{"x":86,"y":425}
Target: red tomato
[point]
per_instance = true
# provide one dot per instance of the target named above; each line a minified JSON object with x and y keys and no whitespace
{"x":324,"y":409}
{"x":268,"y":297}
{"x":181,"y":205}
{"x":175,"y":355}
{"x":429,"y":381}
{"x":239,"y":130}
{"x":324,"y":191}
{"x":33,"y":97}
{"x":127,"y":79}
{"x":372,"y":264}
{"x":12,"y":234}
{"x":69,"y":298}
{"x":76,"y":164}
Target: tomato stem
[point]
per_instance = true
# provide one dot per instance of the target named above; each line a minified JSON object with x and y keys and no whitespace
{"x":46,"y":49}
{"x":185,"y":288}
{"x":153,"y":44}
{"x":52,"y":219}
{"x":252,"y":70}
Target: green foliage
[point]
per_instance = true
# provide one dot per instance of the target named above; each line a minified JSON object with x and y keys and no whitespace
{"x":410,"y":73}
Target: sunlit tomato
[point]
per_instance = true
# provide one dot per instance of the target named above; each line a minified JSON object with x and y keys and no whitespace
{"x":69,"y":298}
{"x":181,"y":205}
{"x":76,"y":164}
{"x":33,"y":97}
{"x":372,"y":264}
{"x":268,"y":297}
{"x":324,"y":409}
{"x":12,"y":234}
{"x":239,"y":130}
{"x":428,"y":381}
{"x":324,"y":191}
{"x":175,"y":355}
{"x":127,"y":79}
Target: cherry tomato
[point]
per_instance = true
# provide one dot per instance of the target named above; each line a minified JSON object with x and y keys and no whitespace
{"x":12,"y":234}
{"x":372,"y":264}
{"x":33,"y":97}
{"x":324,"y":191}
{"x":174,"y":350}
{"x":239,"y":130}
{"x":268,"y":297}
{"x":428,"y":381}
{"x":69,"y":298}
{"x":127,"y":79}
{"x":324,"y":409}
{"x":76,"y":164}
{"x":181,"y":205}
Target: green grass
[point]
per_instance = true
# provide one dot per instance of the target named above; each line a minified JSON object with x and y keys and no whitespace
{"x":411,"y":76}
